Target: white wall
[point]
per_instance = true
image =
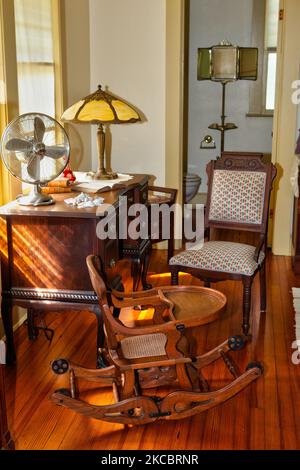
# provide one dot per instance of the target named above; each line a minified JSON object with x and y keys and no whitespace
{"x":77,"y":69}
{"x":128,"y":47}
{"x":210,"y":22}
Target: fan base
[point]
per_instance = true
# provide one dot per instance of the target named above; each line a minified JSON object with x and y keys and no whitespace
{"x":35,"y":200}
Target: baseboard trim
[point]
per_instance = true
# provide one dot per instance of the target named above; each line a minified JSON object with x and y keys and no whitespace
{"x":16,"y":325}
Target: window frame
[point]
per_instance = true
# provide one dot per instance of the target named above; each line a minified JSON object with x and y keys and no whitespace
{"x":258,"y":89}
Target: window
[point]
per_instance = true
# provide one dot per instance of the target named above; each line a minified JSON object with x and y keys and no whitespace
{"x":271,"y":36}
{"x":35,"y":56}
{"x":35,"y":32}
{"x":264,"y":36}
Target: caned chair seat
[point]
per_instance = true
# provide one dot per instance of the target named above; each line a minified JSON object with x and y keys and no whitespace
{"x":236,"y":258}
{"x":136,"y":347}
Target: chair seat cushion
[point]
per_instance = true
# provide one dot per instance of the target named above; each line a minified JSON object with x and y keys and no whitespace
{"x":136,"y":347}
{"x":229,"y":257}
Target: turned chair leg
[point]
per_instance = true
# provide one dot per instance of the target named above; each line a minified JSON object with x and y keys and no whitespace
{"x":263,"y":296}
{"x":174,"y":277}
{"x":247,"y":284}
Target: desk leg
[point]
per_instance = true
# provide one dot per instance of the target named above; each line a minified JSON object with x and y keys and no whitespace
{"x":6,"y":309}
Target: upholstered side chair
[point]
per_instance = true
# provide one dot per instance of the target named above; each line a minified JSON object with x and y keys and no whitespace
{"x":239,"y":190}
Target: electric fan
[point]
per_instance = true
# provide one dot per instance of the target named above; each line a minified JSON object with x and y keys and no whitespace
{"x":35,"y":149}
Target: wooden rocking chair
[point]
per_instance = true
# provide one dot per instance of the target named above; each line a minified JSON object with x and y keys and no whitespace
{"x":142,"y":358}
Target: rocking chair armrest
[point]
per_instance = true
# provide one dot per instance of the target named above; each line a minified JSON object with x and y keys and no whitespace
{"x":132,"y":302}
{"x":158,"y":299}
{"x":132,"y":295}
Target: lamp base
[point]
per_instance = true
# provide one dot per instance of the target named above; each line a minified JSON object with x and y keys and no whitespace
{"x":105,"y":175}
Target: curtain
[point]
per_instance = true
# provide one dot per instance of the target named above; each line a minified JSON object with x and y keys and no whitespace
{"x":34,"y":28}
{"x":30,"y":67}
{"x":4,"y":178}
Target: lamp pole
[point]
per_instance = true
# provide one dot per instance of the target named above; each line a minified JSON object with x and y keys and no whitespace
{"x":223,"y":127}
{"x":223,"y":117}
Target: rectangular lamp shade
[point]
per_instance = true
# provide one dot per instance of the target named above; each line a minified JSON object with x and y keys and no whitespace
{"x":227,"y":63}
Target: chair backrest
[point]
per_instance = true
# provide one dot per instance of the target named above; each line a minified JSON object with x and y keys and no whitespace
{"x":239,"y":189}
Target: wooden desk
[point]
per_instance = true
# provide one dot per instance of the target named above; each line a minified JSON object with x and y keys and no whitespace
{"x":43,"y":253}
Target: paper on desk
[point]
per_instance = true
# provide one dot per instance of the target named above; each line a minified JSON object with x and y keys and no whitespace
{"x":88,"y":184}
{"x":83,"y":201}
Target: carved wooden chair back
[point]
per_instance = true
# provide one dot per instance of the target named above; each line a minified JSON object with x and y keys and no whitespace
{"x":239,"y":190}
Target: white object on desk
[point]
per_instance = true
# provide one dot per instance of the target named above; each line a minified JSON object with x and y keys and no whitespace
{"x":83,"y":200}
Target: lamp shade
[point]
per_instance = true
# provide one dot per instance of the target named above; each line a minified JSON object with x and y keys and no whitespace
{"x":101,"y":107}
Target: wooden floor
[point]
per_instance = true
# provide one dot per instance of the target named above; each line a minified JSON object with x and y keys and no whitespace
{"x":264,"y":416}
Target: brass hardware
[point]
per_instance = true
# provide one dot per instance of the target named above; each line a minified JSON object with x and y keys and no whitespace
{"x":281,"y":14}
{"x":112,"y":263}
{"x":208,"y":143}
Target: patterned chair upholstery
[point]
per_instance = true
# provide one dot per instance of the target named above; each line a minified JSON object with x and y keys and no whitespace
{"x":227,"y":257}
{"x":237,"y":196}
{"x":238,"y":199}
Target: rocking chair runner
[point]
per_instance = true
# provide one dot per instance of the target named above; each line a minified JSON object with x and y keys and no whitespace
{"x":141,"y":358}
{"x":239,"y":188}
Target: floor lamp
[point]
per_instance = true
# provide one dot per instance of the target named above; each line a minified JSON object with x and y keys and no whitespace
{"x":226,"y":63}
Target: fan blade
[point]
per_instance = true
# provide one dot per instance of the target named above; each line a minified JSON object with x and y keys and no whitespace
{"x":54,"y":151}
{"x":39,"y":129}
{"x":33,"y":168}
{"x":19,"y":145}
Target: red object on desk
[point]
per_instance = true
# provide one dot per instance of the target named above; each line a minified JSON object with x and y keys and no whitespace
{"x":68,"y":173}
